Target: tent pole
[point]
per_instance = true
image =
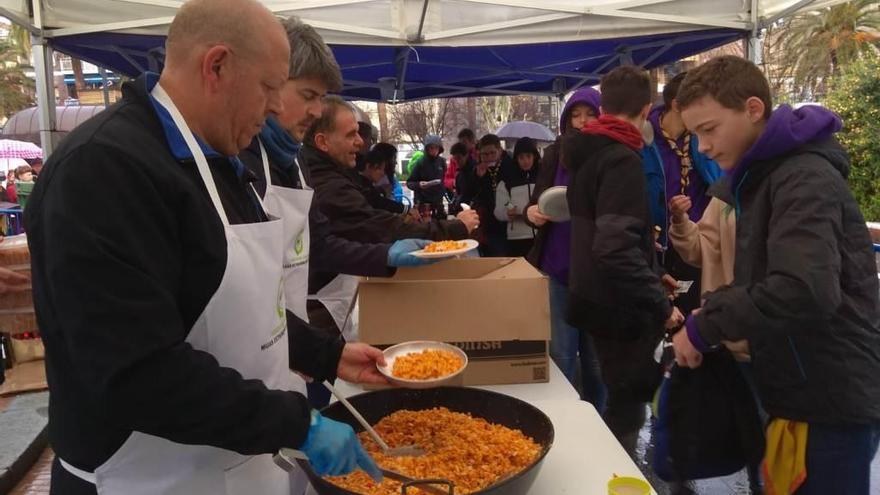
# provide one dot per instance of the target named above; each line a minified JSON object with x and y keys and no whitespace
{"x":754,"y":46}
{"x":104,"y":89}
{"x":45,"y":76}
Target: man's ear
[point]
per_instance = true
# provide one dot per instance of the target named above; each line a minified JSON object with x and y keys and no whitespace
{"x":321,"y":142}
{"x":215,"y":65}
{"x":755,"y":109}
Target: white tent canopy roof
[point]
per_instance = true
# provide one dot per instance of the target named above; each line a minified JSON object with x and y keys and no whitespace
{"x":432,"y":22}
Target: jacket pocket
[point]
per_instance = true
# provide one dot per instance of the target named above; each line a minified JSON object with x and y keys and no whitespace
{"x":777,"y":363}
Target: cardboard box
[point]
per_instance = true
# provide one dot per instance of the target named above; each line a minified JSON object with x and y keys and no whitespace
{"x":496,"y":309}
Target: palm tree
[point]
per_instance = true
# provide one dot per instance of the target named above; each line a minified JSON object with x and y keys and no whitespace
{"x":816,"y":44}
{"x":16,"y":89}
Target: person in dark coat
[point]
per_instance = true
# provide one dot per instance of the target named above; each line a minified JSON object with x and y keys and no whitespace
{"x":805,"y":291}
{"x":327,"y":155}
{"x":550,"y":253}
{"x":478,"y":185}
{"x":615,"y":291}
{"x":426,"y":179}
{"x":513,"y":194}
{"x":370,"y":173}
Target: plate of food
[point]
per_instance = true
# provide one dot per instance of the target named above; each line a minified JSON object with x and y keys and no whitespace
{"x":424,"y":364}
{"x":446,"y":249}
{"x":554,"y":204}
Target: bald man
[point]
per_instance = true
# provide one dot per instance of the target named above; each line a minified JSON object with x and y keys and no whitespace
{"x":157,"y":280}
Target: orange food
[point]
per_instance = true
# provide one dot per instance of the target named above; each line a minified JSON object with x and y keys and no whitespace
{"x":470,"y":452}
{"x":444,"y":246}
{"x":426,"y":365}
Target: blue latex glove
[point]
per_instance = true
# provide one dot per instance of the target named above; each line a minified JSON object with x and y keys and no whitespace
{"x":398,"y":254}
{"x":334,"y":449}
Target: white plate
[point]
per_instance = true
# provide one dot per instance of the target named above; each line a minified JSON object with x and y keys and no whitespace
{"x":554,"y":204}
{"x":470,"y":244}
{"x":393,"y":352}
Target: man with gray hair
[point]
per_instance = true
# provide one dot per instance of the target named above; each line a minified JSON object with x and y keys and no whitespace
{"x":156,"y":279}
{"x":313,"y":72}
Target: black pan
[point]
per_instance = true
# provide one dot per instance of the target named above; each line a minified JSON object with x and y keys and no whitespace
{"x":491,"y":406}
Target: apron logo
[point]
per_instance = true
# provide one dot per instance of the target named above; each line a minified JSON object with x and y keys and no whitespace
{"x":298,"y":245}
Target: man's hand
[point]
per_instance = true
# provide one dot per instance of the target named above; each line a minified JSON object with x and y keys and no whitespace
{"x":10,"y":280}
{"x":470,"y":219}
{"x":686,"y":355}
{"x":334,"y":449}
{"x":675,"y":319}
{"x":399,"y":254}
{"x":536,"y":217}
{"x":678,"y":207}
{"x":739,"y":349}
{"x":358,"y":364}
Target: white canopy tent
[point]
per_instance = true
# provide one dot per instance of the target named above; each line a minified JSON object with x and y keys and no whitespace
{"x":408,"y":23}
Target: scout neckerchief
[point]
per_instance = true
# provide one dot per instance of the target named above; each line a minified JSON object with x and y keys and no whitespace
{"x":684,"y":156}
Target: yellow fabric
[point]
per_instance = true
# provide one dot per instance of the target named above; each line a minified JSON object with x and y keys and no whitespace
{"x":785,"y":466}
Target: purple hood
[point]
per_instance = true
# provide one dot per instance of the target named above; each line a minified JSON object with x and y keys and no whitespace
{"x":786,"y":130}
{"x":584,"y":95}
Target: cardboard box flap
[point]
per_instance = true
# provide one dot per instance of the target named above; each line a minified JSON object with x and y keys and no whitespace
{"x":503,"y":299}
{"x":463,"y":269}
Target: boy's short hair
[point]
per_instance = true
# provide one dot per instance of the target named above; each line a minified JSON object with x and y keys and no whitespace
{"x":490,"y":140}
{"x":23,"y":169}
{"x":730,"y":81}
{"x":670,"y":90}
{"x":375,"y":158}
{"x":458,"y":149}
{"x":625,"y":91}
{"x":467,"y":134}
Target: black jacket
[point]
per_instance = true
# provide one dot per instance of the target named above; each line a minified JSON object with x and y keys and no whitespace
{"x":805,"y":290}
{"x":544,"y":181}
{"x":327,"y":252}
{"x":352,"y":217}
{"x":428,"y":169}
{"x":614,"y":282}
{"x":127,"y":250}
{"x":375,"y":196}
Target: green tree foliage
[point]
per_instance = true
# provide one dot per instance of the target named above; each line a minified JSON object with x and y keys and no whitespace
{"x":816,"y":45}
{"x":856,"y":98}
{"x":16,"y":89}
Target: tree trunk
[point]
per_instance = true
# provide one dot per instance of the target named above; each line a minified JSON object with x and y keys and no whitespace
{"x":472,"y":114}
{"x":383,"y":121}
{"x":79,"y":79}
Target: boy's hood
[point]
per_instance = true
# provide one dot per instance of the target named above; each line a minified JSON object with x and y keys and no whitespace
{"x":808,"y":127}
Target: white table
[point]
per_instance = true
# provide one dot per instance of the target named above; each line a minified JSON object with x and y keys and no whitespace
{"x":584,"y":456}
{"x":557,"y":388}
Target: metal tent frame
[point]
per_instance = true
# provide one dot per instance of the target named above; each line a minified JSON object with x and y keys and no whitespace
{"x":403,"y":35}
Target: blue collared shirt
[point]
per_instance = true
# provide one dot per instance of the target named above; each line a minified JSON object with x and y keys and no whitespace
{"x":176,"y":144}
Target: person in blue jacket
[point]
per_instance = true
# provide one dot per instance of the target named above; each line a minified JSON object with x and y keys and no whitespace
{"x":674,"y":166}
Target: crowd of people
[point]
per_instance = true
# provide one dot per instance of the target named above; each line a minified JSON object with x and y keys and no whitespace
{"x":246,"y":196}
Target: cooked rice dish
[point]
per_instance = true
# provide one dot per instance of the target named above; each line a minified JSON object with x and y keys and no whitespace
{"x":426,"y":365}
{"x":470,"y":452}
{"x":444,"y":246}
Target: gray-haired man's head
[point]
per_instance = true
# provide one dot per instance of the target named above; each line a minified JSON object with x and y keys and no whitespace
{"x":336,"y":132}
{"x":313,"y":72}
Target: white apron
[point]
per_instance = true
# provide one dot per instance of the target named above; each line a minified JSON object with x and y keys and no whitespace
{"x":244,"y":327}
{"x":340,"y":299}
{"x":292,"y":206}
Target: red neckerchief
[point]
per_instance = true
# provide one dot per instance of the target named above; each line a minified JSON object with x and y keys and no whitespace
{"x":617,"y":129}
